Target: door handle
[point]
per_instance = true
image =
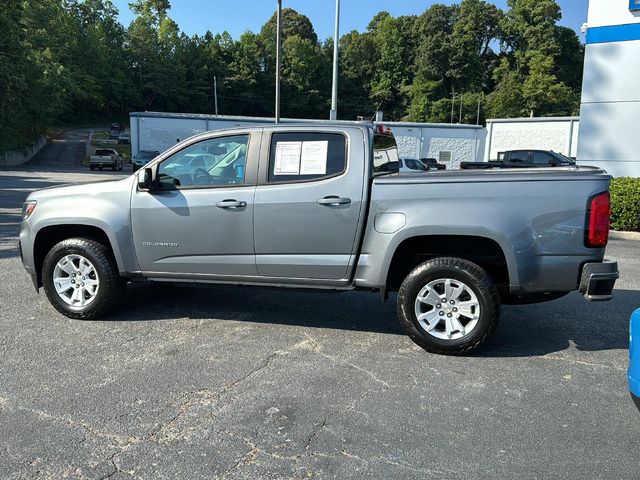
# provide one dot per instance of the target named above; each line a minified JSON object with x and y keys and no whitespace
{"x":334,"y":201}
{"x":231,"y":204}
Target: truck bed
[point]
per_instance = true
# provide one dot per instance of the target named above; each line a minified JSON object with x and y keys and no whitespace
{"x":536,"y":216}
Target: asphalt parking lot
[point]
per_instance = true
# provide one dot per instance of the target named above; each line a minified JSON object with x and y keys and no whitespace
{"x":238,"y":382}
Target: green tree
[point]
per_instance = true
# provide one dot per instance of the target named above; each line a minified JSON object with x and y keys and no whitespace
{"x":358,"y":56}
{"x":527,"y":79}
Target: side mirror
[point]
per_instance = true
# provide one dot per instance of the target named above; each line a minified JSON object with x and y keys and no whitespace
{"x":146,"y":184}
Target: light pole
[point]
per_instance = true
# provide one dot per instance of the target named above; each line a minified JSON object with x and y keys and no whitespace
{"x":336,"y":41}
{"x":215,"y":93}
{"x":278,"y":53}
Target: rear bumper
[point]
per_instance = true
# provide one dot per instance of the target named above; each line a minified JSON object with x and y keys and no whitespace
{"x":103,"y":164}
{"x":598,"y":280}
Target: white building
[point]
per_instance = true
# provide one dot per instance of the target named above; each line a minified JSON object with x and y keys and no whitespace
{"x":449,"y":144}
{"x":559,"y":134}
{"x":610,"y":108}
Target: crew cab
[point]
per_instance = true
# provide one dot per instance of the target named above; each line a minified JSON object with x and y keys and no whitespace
{"x":325,"y":208}
{"x":106,"y":158}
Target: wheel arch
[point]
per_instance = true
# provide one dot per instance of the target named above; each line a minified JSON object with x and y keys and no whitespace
{"x":50,"y":235}
{"x":485,"y":251}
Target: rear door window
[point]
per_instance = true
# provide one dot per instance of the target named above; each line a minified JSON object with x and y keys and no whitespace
{"x":519,"y":157}
{"x":303,"y":157}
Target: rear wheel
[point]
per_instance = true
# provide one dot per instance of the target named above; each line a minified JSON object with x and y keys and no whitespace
{"x":81,"y":278}
{"x":448,"y":305}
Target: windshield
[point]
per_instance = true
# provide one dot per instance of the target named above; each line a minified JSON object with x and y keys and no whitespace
{"x":104,"y":153}
{"x":385,"y":155}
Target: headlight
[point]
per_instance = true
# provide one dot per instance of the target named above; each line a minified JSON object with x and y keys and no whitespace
{"x":28,"y":208}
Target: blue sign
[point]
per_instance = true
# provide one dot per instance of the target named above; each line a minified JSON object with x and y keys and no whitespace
{"x":634,"y":4}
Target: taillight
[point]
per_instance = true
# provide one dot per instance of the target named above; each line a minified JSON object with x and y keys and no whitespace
{"x":598,"y":219}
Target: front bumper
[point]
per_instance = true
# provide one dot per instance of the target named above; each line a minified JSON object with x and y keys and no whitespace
{"x":598,"y":280}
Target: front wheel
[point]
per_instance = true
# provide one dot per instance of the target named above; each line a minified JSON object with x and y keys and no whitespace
{"x":81,"y":279}
{"x":448,"y":306}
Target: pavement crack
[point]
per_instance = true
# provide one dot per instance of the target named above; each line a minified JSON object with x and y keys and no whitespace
{"x":314,"y":433}
{"x":558,"y":358}
{"x":168,"y":431}
{"x":312,"y":345}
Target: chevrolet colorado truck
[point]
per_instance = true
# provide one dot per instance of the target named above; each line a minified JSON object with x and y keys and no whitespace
{"x":326,"y":208}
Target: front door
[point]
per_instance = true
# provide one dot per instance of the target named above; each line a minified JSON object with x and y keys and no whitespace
{"x":199,"y":218}
{"x":308,"y":206}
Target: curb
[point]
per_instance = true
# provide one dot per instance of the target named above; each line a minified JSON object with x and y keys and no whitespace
{"x":624,"y":235}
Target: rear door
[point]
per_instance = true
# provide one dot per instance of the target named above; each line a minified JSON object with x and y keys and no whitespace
{"x":309,"y":203}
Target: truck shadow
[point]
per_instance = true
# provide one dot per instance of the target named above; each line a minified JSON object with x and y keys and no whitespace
{"x":535,"y":330}
{"x":524,"y":331}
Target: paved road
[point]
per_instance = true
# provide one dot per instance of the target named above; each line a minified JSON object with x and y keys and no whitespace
{"x":246,"y":383}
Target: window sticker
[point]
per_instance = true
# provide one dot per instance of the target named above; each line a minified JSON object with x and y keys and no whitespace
{"x":287,"y":158}
{"x":314,"y":158}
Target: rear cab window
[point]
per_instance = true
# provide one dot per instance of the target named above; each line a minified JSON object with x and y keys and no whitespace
{"x":385,"y":154}
{"x":305,"y":157}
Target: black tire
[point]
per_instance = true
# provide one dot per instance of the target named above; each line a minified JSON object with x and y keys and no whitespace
{"x":110,"y":290}
{"x":463,"y":271}
{"x":114,"y":168}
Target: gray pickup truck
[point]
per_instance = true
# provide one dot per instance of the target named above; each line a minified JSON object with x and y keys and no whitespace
{"x":325,"y":208}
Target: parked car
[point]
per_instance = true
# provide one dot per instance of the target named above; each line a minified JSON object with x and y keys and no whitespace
{"x":523,"y":159}
{"x":124,"y":138}
{"x":143,"y":157}
{"x":432,"y":164}
{"x":106,"y":158}
{"x":324,"y":207}
{"x":114,"y":131}
{"x":412,"y":165}
{"x":634,"y":358}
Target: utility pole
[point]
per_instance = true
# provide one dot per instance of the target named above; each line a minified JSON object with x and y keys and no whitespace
{"x":453,"y":104}
{"x":479,"y":102}
{"x":215,"y":93}
{"x":336,"y":40}
{"x":461,"y":102}
{"x":278,"y":60}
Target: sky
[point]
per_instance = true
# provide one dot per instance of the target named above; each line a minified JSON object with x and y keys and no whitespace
{"x":237,"y":16}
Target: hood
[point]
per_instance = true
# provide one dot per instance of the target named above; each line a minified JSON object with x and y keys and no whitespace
{"x":84,"y":189}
